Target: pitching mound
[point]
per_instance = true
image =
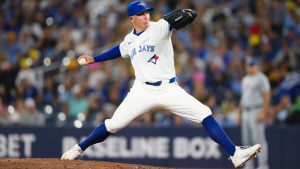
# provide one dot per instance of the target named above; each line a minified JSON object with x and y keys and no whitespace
{"x":51,"y":163}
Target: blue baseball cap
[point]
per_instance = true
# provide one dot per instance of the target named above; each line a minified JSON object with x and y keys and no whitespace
{"x":251,"y":61}
{"x":137,"y":7}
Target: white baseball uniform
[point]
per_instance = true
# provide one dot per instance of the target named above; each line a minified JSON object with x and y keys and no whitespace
{"x":152,"y":57}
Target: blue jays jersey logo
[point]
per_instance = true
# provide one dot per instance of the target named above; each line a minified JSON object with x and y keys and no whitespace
{"x":153,"y":59}
{"x":140,"y":49}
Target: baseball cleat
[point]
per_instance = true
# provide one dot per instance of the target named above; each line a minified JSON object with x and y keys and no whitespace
{"x":72,"y":154}
{"x":243,"y":154}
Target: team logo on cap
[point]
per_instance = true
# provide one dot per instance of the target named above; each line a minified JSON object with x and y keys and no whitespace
{"x":153,"y":59}
{"x":142,"y":4}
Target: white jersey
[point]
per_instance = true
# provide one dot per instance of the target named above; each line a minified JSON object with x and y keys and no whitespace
{"x":151,"y":52}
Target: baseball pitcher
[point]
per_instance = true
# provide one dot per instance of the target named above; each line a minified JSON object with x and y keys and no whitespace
{"x":149,"y":47}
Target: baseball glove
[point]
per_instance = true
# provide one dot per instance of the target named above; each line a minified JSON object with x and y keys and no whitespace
{"x":179,"y":18}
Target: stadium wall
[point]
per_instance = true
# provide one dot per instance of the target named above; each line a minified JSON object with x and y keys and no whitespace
{"x":168,"y":147}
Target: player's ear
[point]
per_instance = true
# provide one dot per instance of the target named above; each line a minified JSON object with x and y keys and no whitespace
{"x":130,"y":18}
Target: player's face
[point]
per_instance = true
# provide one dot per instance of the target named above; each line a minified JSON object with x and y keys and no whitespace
{"x":251,"y":69}
{"x":141,"y":21}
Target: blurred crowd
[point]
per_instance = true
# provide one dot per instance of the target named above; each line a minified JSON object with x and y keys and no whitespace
{"x":41,"y":83}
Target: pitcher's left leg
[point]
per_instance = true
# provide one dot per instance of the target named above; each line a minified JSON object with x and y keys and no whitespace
{"x":185,"y":105}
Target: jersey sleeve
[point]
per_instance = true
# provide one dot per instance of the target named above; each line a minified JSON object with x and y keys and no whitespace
{"x":164,"y":28}
{"x":124,"y":49}
{"x":265,"y":85}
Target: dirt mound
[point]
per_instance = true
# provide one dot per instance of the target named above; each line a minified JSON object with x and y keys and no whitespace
{"x":52,"y":163}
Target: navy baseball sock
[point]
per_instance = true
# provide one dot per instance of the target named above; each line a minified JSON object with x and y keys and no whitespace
{"x":99,"y":134}
{"x":216,"y":133}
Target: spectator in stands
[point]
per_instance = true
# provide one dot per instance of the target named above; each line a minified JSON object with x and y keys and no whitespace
{"x":32,"y":116}
{"x":77,"y":103}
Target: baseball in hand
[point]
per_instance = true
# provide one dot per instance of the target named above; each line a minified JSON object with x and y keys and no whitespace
{"x":82,"y":61}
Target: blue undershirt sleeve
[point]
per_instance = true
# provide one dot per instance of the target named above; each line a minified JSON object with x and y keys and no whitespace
{"x":170,"y":28}
{"x":113,"y":53}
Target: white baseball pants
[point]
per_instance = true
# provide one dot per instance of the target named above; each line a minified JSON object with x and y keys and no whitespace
{"x":142,"y":97}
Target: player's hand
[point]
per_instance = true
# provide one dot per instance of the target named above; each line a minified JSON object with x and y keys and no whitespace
{"x":261,"y":117}
{"x":85,"y":60}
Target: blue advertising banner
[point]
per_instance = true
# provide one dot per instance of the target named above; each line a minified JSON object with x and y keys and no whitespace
{"x":168,"y":147}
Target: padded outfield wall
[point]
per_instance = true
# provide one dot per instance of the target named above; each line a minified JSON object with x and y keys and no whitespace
{"x":168,"y":147}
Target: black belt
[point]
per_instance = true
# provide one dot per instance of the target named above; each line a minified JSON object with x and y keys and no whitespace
{"x":248,"y":108}
{"x":158,"y":83}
